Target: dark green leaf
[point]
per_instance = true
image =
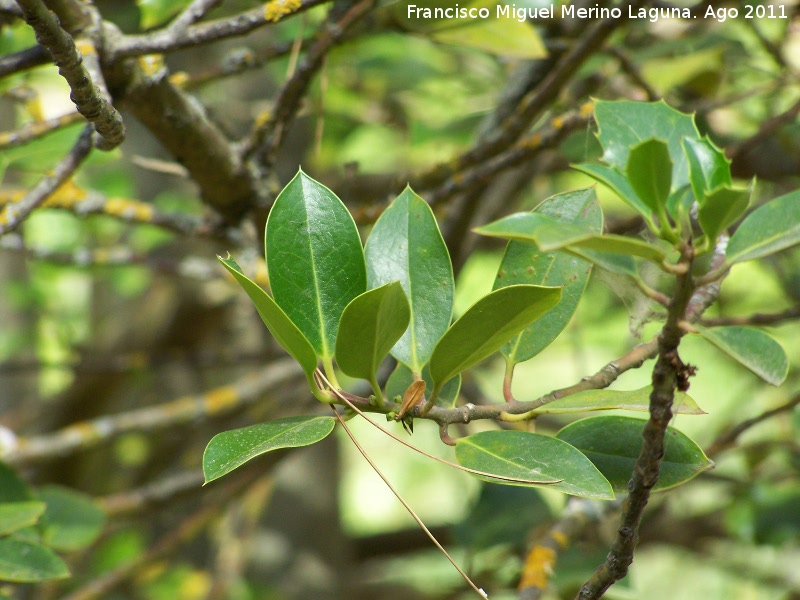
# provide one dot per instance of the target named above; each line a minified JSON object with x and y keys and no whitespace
{"x":24,"y":562}
{"x":522,"y":263}
{"x":752,"y":348}
{"x":370,"y":326}
{"x":649,"y":170}
{"x":315,"y":260}
{"x":722,"y":208}
{"x":532,"y":456}
{"x":709,"y":168}
{"x":16,"y":515}
{"x":487,"y":326}
{"x":617,"y":183}
{"x":282,"y":329}
{"x":613,"y":444}
{"x":624,"y":124}
{"x":612,"y":399}
{"x":12,"y":487}
{"x":231,"y":449}
{"x":402,"y":377}
{"x":72,"y":520}
{"x":405,"y":245}
{"x":768,"y":229}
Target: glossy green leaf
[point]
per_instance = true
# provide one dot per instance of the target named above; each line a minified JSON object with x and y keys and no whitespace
{"x":280,"y":326}
{"x":72,"y":520}
{"x":533,"y":456}
{"x":638,"y":400}
{"x":649,"y":170}
{"x":709,"y":168}
{"x":26,"y":562}
{"x":722,"y":208}
{"x":16,"y":515}
{"x":614,"y":443}
{"x":522,"y":263}
{"x":621,"y":264}
{"x":617,"y":183}
{"x":753,"y":348}
{"x":487,"y":326}
{"x":624,"y":124}
{"x":549,"y":234}
{"x":231,"y":449}
{"x":405,"y":245}
{"x":768,"y":229}
{"x":402,"y":377}
{"x":370,"y":326}
{"x":315,"y":260}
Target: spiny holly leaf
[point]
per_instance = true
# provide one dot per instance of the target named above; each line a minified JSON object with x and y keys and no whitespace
{"x":370,"y":326}
{"x":613,"y":444}
{"x":231,"y":449}
{"x":649,"y":170}
{"x":532,"y":456}
{"x":709,"y":168}
{"x":315,"y":260}
{"x":405,"y":245}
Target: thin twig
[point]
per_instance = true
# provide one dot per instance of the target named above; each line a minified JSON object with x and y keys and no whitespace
{"x":405,"y":504}
{"x":755,"y":319}
{"x":87,"y":96}
{"x":15,"y":213}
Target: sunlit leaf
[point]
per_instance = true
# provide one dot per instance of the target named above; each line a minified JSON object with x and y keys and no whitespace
{"x":16,"y":515}
{"x":26,"y":562}
{"x":616,"y":181}
{"x":487,"y":326}
{"x":753,"y":348}
{"x":768,"y":229}
{"x":156,"y":12}
{"x":614,"y":443}
{"x":624,"y":124}
{"x":231,"y":449}
{"x":709,"y":168}
{"x":532,"y":456}
{"x":72,"y":520}
{"x":722,"y":208}
{"x":649,"y":170}
{"x":315,"y":260}
{"x":638,"y":400}
{"x":282,"y":329}
{"x":370,"y":326}
{"x":405,"y":245}
{"x":522,"y":263}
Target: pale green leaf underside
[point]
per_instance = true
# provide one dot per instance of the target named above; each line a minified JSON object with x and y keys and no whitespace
{"x":533,"y":456}
{"x":637,"y":400}
{"x":16,"y":515}
{"x":231,"y":449}
{"x":770,"y":228}
{"x":752,"y":348}
{"x":613,"y":444}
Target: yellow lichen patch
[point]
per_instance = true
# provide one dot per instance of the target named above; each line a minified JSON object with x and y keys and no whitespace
{"x":179,"y":79}
{"x":151,"y":64}
{"x":532,"y":141}
{"x":261,"y":276}
{"x":558,"y":122}
{"x":220,"y":399}
{"x":11,"y":196}
{"x":587,"y":109}
{"x":65,"y":195}
{"x":277,"y":9}
{"x":85,"y":47}
{"x":538,"y":567}
{"x":129,"y":209}
{"x":560,"y":538}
